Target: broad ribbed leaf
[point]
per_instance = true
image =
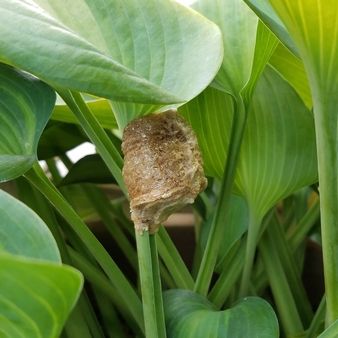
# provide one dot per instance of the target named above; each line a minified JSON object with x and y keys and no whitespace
{"x":292,"y":69}
{"x":210,"y":115}
{"x":35,"y":297}
{"x":25,"y":107}
{"x":247,"y":43}
{"x":190,"y":315}
{"x":278,"y":153}
{"x":267,"y":14}
{"x":37,"y":292}
{"x":313,"y":25}
{"x":23,"y":233}
{"x":147,"y":51}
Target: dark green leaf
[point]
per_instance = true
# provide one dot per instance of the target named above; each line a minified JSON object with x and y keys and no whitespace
{"x":58,"y":138}
{"x":89,"y":169}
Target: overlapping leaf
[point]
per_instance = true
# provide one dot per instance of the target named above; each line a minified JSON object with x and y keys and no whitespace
{"x":23,"y":233}
{"x":278,"y":154}
{"x":25,"y":107}
{"x":149,"y":51}
{"x":191,"y":315}
{"x":36,"y":291}
{"x":292,"y":69}
{"x":247,"y":44}
{"x":100,"y":108}
{"x":89,"y":169}
{"x":266,"y":12}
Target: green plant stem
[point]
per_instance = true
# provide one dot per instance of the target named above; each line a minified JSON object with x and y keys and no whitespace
{"x":251,"y":243}
{"x":96,"y":133}
{"x":173,"y":260}
{"x":317,"y":321}
{"x":277,"y":236}
{"x":216,"y":233}
{"x":157,"y":287}
{"x":52,"y":167}
{"x":127,"y":293}
{"x":296,"y":234}
{"x":150,"y":286}
{"x":326,"y":123}
{"x":283,"y":297}
{"x":102,"y":206}
{"x":229,"y":275}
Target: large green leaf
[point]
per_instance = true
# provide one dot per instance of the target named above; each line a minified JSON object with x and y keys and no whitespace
{"x":37,"y":292}
{"x":247,"y":43}
{"x":292,"y":69}
{"x":35,"y":297}
{"x":191,"y":315}
{"x":23,"y":233}
{"x":278,"y":154}
{"x":25,"y":107}
{"x":144,"y":51}
{"x":313,"y":26}
{"x":265,"y":11}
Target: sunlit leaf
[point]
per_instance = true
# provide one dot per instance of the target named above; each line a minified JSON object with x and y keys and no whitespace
{"x":265,"y":11}
{"x":143,"y":51}
{"x":191,"y":315}
{"x":313,"y":26}
{"x":292,"y":69}
{"x":25,"y":107}
{"x":100,"y":108}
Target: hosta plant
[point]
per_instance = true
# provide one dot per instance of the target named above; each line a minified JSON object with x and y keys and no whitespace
{"x":227,"y":106}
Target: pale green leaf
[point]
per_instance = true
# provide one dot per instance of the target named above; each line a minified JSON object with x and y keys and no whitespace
{"x":144,"y":51}
{"x":190,"y":315}
{"x":278,"y":153}
{"x":25,"y":107}
{"x":35,"y":297}
{"x":292,"y":69}
{"x":247,"y":43}
{"x":100,"y":108}
{"x":266,"y":13}
{"x":23,"y":233}
{"x":313,"y":25}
